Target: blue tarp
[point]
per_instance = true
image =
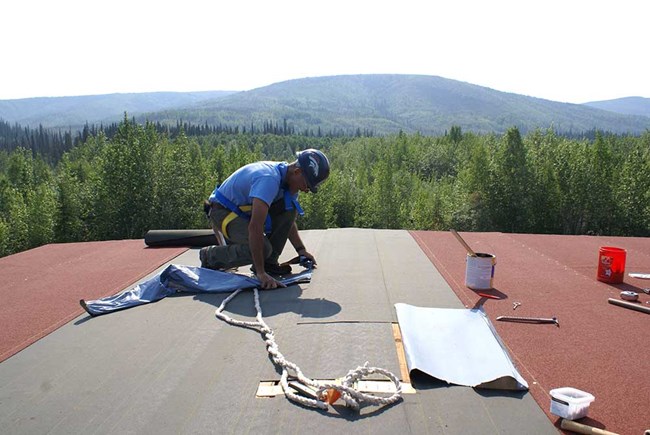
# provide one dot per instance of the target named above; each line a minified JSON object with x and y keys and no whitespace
{"x":177,"y":278}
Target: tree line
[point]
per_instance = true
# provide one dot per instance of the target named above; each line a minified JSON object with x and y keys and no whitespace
{"x":142,"y":178}
{"x":51,"y":143}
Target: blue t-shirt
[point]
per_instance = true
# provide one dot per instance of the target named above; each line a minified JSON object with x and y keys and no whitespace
{"x":261,"y":180}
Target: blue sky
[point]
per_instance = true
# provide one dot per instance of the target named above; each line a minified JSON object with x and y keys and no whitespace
{"x":569,"y":50}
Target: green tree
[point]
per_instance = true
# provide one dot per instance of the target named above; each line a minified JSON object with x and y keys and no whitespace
{"x":544,"y":189}
{"x":4,"y":238}
{"x":632,"y":191}
{"x":41,"y":214}
{"x":510,"y":183}
{"x":344,"y":195}
{"x":16,"y":219}
{"x":432,"y":205}
{"x":20,"y":169}
{"x":76,"y":185}
{"x":28,"y":203}
{"x":572,"y":171}
{"x":455,"y":134}
{"x":180,"y":185}
{"x":600,"y":206}
{"x":319,"y":207}
{"x":126,"y":182}
{"x":471,"y":202}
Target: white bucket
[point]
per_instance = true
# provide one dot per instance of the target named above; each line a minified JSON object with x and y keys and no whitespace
{"x":479,"y":271}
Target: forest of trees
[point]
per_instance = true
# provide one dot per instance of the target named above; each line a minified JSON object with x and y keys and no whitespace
{"x":51,"y":144}
{"x":141,"y":177}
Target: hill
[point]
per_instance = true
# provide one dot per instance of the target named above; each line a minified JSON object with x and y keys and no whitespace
{"x":379,"y":104}
{"x":627,"y":106}
{"x":74,"y":112}
{"x":390,"y":103}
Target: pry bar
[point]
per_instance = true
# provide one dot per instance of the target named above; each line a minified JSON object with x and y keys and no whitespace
{"x":529,"y":319}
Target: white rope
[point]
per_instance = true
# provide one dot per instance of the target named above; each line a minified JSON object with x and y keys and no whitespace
{"x":352,"y":397}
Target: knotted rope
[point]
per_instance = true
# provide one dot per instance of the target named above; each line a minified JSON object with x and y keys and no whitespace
{"x":352,"y":397}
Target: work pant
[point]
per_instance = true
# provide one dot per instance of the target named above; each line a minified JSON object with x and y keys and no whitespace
{"x":237,"y":252}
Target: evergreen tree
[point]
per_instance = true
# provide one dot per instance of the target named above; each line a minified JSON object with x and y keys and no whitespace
{"x":545,"y":189}
{"x":319,"y":208}
{"x":455,"y":134}
{"x":179,"y":187}
{"x":600,"y":205}
{"x":20,"y":169}
{"x":127,"y":178}
{"x":4,"y":238}
{"x":16,"y":218}
{"x":510,"y":183}
{"x":472,"y":204}
{"x":632,"y":191}
{"x":344,"y":195}
{"x":572,"y":173}
{"x":41,"y":215}
{"x":76,"y":186}
{"x":126,"y":185}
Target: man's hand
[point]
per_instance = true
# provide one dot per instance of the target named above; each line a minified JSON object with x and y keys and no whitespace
{"x":268,"y":282}
{"x":308,"y":256}
{"x":299,"y":246}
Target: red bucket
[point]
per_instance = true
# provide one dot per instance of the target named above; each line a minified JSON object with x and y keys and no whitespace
{"x":611,"y":265}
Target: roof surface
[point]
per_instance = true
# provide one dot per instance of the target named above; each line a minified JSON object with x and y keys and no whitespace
{"x":599,"y":348}
{"x":172,"y":367}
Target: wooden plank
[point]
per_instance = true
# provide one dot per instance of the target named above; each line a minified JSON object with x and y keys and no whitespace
{"x":269,"y":389}
{"x":401,"y":355}
{"x":273,"y":388}
{"x":385,"y":387}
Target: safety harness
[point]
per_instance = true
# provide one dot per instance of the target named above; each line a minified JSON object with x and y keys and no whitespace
{"x":245,"y":211}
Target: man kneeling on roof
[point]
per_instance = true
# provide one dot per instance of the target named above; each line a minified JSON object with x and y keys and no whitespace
{"x":255,"y":209}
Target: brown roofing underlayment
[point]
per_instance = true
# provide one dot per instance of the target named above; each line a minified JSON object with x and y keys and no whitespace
{"x":599,"y":347}
{"x":41,"y":288}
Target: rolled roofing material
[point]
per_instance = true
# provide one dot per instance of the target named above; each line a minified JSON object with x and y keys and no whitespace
{"x":190,"y":238}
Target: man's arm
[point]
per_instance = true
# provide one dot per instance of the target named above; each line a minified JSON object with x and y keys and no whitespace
{"x":256,"y":243}
{"x":297,"y":243}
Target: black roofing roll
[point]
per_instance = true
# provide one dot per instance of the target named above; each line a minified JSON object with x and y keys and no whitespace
{"x":191,"y":238}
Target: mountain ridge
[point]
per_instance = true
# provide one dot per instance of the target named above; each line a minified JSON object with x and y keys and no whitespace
{"x":381,"y":103}
{"x":75,"y":111}
{"x":627,"y":105}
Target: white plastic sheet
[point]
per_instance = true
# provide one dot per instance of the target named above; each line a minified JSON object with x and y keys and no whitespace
{"x":459,"y":346}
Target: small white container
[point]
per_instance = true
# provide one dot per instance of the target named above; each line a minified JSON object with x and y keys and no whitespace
{"x":570,"y":403}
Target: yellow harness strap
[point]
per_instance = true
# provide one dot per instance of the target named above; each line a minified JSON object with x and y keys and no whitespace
{"x":232,"y":215}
